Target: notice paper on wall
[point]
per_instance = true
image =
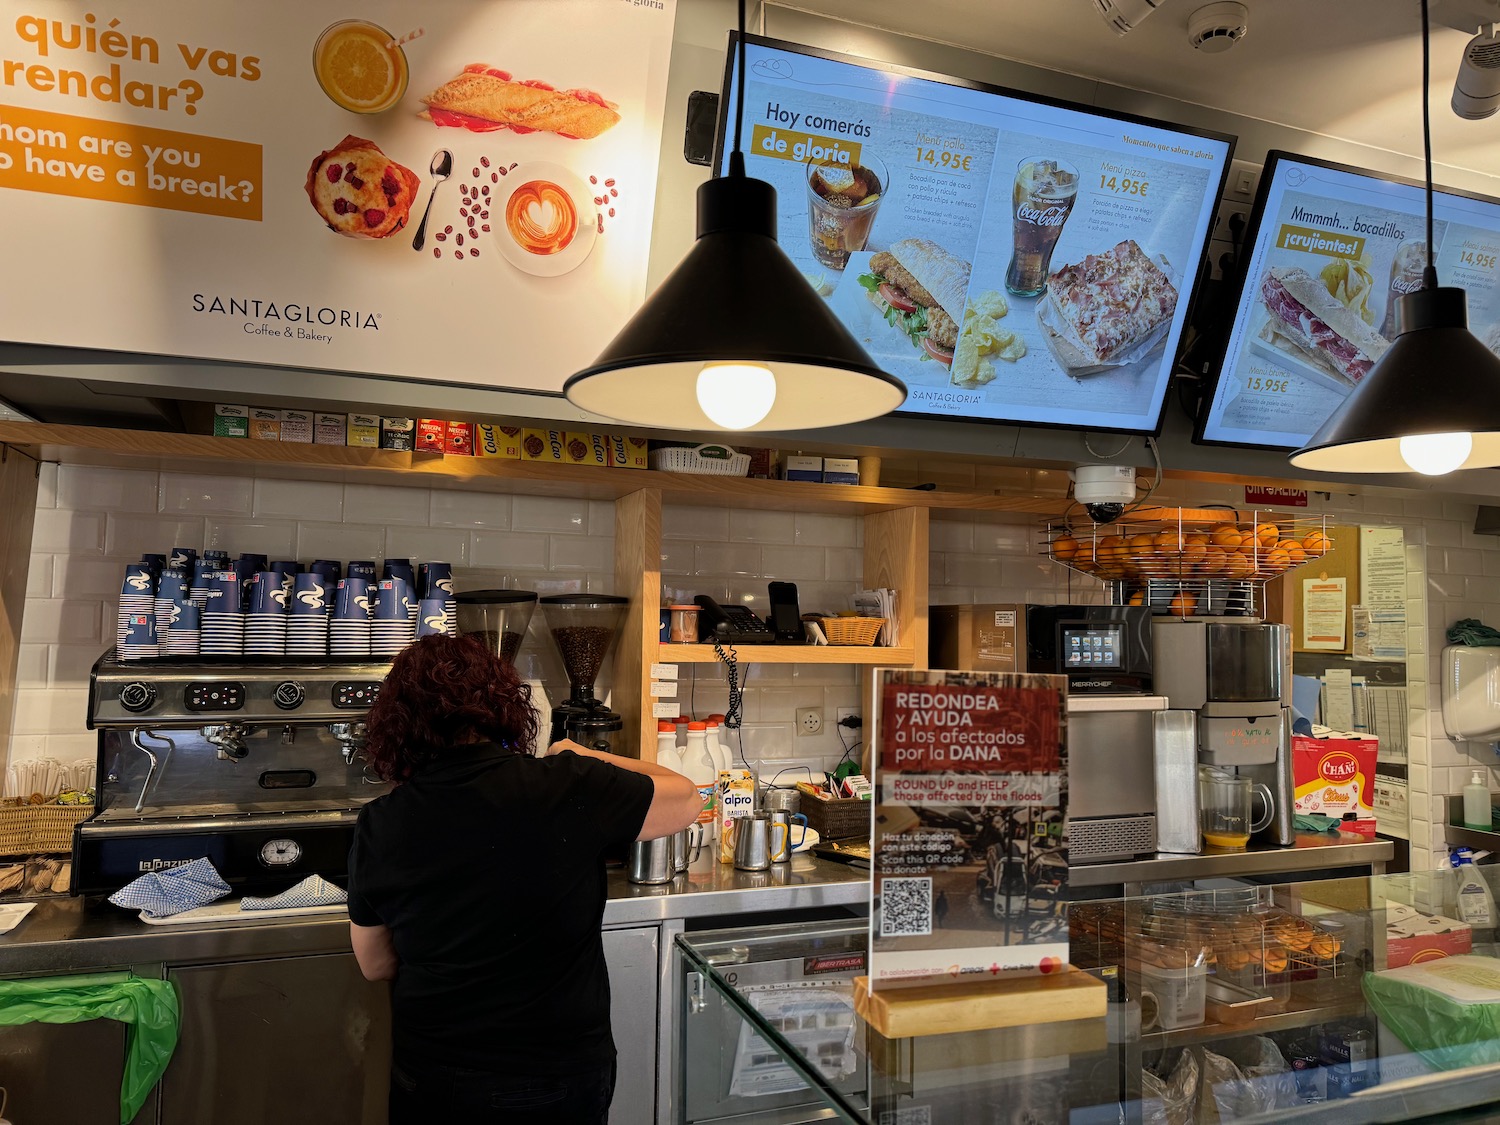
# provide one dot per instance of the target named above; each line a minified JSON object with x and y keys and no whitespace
{"x":1382,"y":567}
{"x":1324,"y":616}
{"x":1379,"y":634}
{"x":1338,"y":699}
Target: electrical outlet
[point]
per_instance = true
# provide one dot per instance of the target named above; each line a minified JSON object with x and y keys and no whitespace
{"x":809,"y":720}
{"x":843,"y":713}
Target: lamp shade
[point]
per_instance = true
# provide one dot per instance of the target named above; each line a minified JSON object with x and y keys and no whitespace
{"x":1436,"y":378}
{"x":736,"y":299}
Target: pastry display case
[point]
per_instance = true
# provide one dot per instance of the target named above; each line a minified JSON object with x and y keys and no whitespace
{"x":1238,"y":1003}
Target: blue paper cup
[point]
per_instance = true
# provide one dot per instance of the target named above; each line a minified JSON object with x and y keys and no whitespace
{"x":139,"y":582}
{"x":310,"y":595}
{"x":353,"y":601}
{"x":329,"y":569}
{"x":189,"y":619}
{"x":140,"y":629}
{"x":432,"y":617}
{"x":392,"y":600}
{"x":183,"y":557}
{"x":231,"y":591}
{"x":402,"y":570}
{"x":267,"y":593}
{"x":362,"y":568}
{"x":436,"y":579}
{"x":287,"y":566}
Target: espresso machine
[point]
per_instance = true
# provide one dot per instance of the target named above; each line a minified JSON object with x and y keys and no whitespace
{"x":584,"y":627}
{"x":255,"y":765}
{"x":1233,"y":676}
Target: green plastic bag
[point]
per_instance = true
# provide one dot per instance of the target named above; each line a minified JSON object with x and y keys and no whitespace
{"x":149,"y":1007}
{"x":1446,"y":1010}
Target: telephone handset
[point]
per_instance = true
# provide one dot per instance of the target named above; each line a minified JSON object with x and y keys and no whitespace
{"x":731,"y":624}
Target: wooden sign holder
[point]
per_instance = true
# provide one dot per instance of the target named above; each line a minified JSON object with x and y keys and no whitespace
{"x":979,"y":1005}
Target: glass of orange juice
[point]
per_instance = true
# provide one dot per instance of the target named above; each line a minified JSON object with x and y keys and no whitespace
{"x":358,"y":68}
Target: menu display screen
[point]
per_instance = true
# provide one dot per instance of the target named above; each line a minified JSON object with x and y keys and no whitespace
{"x":1010,"y":259}
{"x":1328,"y":252}
{"x":1092,"y":647}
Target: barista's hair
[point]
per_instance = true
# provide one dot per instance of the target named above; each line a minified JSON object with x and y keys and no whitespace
{"x":443,"y":692}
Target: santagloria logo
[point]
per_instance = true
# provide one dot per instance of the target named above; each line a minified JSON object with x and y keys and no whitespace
{"x":256,"y":309}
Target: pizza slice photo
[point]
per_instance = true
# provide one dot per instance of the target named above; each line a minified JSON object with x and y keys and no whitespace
{"x":1107,"y":310}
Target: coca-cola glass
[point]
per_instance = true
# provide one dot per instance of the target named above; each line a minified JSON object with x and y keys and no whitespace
{"x":841,"y":203}
{"x":1044,"y":193}
{"x":1406,"y":277}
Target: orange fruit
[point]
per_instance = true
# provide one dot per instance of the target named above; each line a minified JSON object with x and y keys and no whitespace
{"x":1183,"y":604}
{"x":1248,"y":542}
{"x":1194,"y":547}
{"x":1110,"y":548}
{"x":1138,"y":597}
{"x":1296,"y":556}
{"x":1213,"y":561}
{"x":1227,"y":536}
{"x":1064,"y":547}
{"x":1275,"y":561}
{"x":1268,"y":533}
{"x":1316,"y":544}
{"x":1168,"y":542}
{"x":1083,"y":555}
{"x":1237,"y":567}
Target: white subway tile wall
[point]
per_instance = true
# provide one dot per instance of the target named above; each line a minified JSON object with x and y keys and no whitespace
{"x":90,"y":522}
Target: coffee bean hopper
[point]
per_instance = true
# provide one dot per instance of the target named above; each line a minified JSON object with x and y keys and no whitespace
{"x":256,"y":764}
{"x":498,"y":618}
{"x":584,"y":627}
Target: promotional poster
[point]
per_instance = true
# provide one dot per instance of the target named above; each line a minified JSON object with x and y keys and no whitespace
{"x":1334,"y":252}
{"x":970,"y":849}
{"x":294,"y":184}
{"x":1007,"y":259}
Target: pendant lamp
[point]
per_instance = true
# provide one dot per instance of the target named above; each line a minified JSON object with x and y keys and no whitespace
{"x":735,"y":338}
{"x":1432,"y":402}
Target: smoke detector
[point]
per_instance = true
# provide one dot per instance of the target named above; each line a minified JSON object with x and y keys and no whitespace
{"x":1214,"y":28}
{"x":1124,"y":16}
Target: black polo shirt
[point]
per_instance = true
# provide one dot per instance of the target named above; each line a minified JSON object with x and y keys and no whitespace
{"x":488,"y":869}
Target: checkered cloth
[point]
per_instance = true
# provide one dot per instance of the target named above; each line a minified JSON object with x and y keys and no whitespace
{"x":161,"y":894}
{"x":312,"y":891}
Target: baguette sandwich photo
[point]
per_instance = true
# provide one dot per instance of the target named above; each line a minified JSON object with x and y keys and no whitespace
{"x":484,"y":99}
{"x":919,"y":288}
{"x":1307,"y":322}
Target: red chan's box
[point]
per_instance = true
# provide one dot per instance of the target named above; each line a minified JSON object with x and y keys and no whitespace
{"x":1335,"y":776}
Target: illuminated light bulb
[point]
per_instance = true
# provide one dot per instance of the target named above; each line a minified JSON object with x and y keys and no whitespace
{"x":736,"y":395}
{"x":1436,"y":454}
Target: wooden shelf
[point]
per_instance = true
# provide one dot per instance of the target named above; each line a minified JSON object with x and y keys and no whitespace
{"x":191,"y":452}
{"x":789,"y":654}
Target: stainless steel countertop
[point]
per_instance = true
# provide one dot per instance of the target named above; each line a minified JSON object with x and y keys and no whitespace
{"x":1312,"y":852}
{"x":67,"y":935}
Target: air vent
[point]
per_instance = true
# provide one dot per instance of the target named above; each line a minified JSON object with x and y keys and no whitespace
{"x":1485,"y":56}
{"x":1121,"y":837}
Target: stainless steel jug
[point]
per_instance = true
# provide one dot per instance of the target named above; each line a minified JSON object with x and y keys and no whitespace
{"x":650,"y":861}
{"x":752,"y":842}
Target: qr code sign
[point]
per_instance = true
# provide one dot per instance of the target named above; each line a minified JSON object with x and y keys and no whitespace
{"x":905,"y":907}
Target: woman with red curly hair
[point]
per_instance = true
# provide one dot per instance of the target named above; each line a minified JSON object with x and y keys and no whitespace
{"x":477,"y":884}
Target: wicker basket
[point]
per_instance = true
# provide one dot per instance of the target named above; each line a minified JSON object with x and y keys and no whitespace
{"x":709,"y":460}
{"x":852,"y":630}
{"x":39,"y":829}
{"x":839,"y":819}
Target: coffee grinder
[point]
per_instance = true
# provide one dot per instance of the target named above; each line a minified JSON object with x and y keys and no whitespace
{"x":498,"y":618}
{"x":584,"y":627}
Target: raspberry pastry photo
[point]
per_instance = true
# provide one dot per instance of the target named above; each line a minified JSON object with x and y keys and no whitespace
{"x":359,"y":191}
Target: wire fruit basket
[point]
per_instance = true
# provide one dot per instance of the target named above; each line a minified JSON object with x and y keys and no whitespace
{"x":1189,"y":562}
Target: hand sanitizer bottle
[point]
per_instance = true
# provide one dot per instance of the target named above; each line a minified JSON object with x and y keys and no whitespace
{"x":1477,"y":812}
